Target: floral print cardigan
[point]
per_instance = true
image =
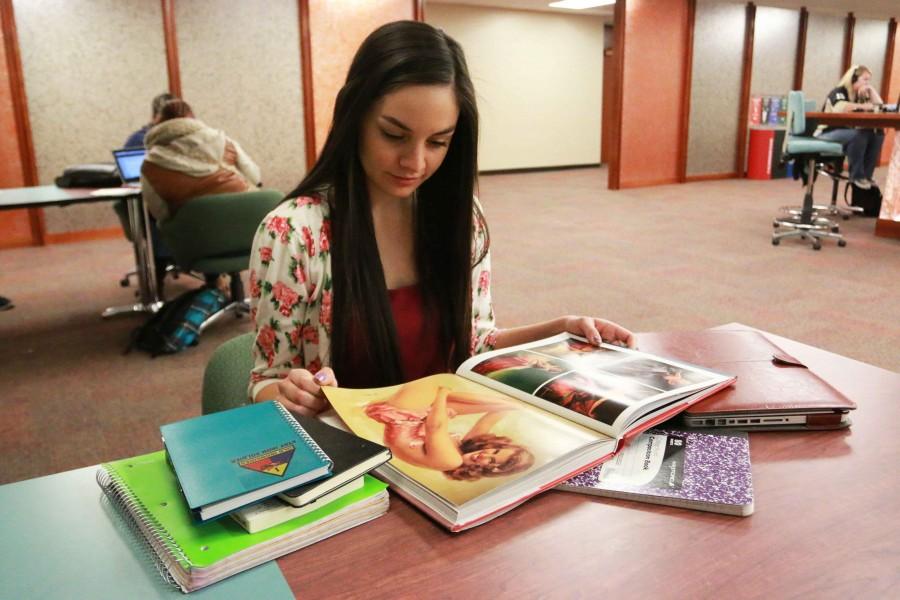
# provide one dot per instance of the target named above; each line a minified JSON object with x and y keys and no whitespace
{"x":291,"y":294}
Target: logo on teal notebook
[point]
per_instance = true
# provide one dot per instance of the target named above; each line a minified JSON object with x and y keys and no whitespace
{"x":273,"y":461}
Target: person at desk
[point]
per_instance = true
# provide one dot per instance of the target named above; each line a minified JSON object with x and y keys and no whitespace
{"x":376,"y":268}
{"x":862,"y":146}
{"x":187,"y":159}
{"x":136,"y":139}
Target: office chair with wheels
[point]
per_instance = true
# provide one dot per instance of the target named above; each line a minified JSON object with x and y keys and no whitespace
{"x":806,"y":151}
{"x":214,"y":235}
{"x":227,"y":375}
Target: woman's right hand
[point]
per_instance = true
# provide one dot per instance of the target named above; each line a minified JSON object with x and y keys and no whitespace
{"x":300,"y":391}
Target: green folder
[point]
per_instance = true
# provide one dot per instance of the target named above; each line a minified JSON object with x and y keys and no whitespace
{"x":196,"y":554}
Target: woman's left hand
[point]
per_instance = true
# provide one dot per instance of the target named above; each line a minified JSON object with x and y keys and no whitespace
{"x":599,"y":330}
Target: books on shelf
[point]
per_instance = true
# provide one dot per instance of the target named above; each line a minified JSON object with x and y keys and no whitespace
{"x":194,"y":555}
{"x":272,"y":511}
{"x":707,"y":471}
{"x":228,"y":459}
{"x":351,"y":455}
{"x":511,"y":423}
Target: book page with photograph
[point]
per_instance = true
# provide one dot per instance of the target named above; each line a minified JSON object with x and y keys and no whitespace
{"x":607,"y":388}
{"x":462,"y":441}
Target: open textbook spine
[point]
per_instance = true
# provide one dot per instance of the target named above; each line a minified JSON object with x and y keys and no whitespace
{"x":510,"y":424}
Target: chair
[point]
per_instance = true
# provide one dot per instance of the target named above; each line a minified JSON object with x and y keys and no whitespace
{"x":807,"y":151}
{"x":227,"y":375}
{"x":214,"y":235}
{"x":163,"y":260}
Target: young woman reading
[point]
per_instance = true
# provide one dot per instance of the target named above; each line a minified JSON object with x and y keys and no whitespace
{"x":376,"y":269}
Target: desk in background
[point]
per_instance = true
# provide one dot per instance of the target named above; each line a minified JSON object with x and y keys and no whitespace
{"x":50,"y":195}
{"x":888,"y":223}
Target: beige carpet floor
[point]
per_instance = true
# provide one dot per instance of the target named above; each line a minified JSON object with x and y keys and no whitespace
{"x":665,"y":258}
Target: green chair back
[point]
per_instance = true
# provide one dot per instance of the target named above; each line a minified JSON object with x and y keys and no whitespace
{"x":227,"y":375}
{"x":214,"y":234}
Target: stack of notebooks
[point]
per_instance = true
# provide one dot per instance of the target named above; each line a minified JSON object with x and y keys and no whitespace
{"x":241,"y":487}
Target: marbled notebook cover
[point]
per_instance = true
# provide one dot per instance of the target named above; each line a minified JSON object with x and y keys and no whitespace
{"x":713,"y":468}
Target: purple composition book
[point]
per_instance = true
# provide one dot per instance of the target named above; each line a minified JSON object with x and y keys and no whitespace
{"x":707,"y":470}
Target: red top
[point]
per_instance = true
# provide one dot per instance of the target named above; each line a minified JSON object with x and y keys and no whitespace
{"x":418,"y":338}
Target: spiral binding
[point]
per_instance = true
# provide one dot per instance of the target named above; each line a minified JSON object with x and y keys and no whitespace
{"x":143,"y":524}
{"x":302,"y":433}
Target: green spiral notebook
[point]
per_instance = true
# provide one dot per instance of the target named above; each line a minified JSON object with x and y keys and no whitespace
{"x":193,"y":555}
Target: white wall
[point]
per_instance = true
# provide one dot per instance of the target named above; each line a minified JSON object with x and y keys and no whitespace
{"x":538,"y":77}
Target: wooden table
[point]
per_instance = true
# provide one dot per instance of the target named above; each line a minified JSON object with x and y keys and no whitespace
{"x":888,"y":223}
{"x":51,"y":195}
{"x":826,"y":525}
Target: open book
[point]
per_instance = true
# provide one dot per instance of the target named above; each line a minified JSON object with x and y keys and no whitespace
{"x":511,"y":423}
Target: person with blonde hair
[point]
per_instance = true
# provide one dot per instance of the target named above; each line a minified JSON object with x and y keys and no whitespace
{"x":855,"y":93}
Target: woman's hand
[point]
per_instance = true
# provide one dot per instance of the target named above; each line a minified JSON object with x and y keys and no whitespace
{"x":301,"y":391}
{"x":599,"y":330}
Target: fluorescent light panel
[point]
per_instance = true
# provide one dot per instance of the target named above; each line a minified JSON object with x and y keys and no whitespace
{"x":581,"y":4}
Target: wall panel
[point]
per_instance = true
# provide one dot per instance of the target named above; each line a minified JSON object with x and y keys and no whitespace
{"x":869,"y":47}
{"x":824,"y":55}
{"x":91,"y":68}
{"x":240,"y":72}
{"x":774,"y":49}
{"x":540,"y":98}
{"x":715,"y":87}
{"x":337,"y":27}
{"x":15,"y":224}
{"x":652,"y":88}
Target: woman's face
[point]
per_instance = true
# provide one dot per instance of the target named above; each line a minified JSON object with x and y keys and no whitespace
{"x":862,"y":81}
{"x":405,"y":138}
{"x":489,"y":457}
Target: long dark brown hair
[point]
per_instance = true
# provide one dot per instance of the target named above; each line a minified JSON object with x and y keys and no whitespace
{"x":396,"y":55}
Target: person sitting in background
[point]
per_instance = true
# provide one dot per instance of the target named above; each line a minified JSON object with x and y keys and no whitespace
{"x":187,"y":159}
{"x":136,"y":139}
{"x":855,"y":93}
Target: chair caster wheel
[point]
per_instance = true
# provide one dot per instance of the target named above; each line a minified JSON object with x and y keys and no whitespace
{"x":776,"y":241}
{"x":817,"y":246}
{"x":842,"y":243}
{"x":123,"y":282}
{"x":835,"y":229}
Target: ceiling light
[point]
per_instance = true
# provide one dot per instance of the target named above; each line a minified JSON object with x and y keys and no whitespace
{"x":581,"y":4}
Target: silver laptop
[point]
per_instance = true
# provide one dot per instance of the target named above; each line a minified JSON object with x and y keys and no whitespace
{"x":128,"y":162}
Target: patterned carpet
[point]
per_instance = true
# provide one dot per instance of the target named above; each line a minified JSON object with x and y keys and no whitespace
{"x":665,"y":258}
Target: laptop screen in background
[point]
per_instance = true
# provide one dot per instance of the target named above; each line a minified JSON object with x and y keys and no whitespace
{"x":129,"y":163}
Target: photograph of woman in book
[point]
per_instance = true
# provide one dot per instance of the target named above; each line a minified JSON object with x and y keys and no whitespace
{"x":420,"y":435}
{"x":376,"y":269}
{"x":455,"y":437}
{"x":524,"y":370}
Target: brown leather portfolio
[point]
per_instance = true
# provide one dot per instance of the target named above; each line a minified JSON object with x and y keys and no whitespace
{"x":773,"y":389}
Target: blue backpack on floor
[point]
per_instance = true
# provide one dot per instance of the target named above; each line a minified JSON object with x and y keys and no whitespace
{"x":176,"y":325}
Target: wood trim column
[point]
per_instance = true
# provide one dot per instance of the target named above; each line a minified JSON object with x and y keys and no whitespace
{"x":20,"y":115}
{"x":619,"y":77}
{"x":419,"y":10}
{"x":848,"y":42}
{"x":800,"y":60}
{"x":686,"y":91}
{"x":749,"y":32}
{"x":172,"y":64}
{"x":309,"y":120}
{"x":889,"y":60}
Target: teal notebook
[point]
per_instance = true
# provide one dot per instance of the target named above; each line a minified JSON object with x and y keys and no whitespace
{"x":194,"y":555}
{"x":229,"y":459}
